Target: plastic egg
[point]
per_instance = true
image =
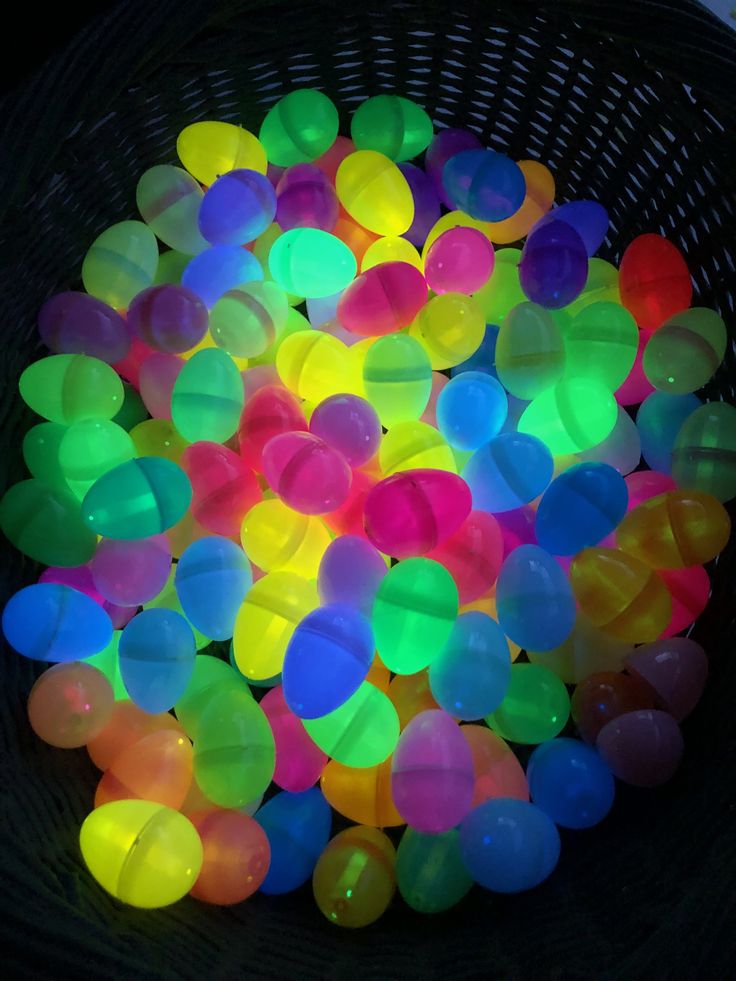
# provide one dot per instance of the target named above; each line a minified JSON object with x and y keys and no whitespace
{"x":586,"y":650}
{"x":574,"y":415}
{"x":450,"y":327}
{"x":307,"y":474}
{"x":410,"y":695}
{"x":312,"y":263}
{"x":218,"y":269}
{"x":89,"y":449}
{"x":601,"y":343}
{"x":392,"y":125}
{"x":675,"y":670}
{"x":471,"y":409}
{"x":53,"y":622}
{"x":157,"y":437}
{"x":363,"y":731}
{"x":637,"y":386}
{"x":266,"y":620}
{"x":415,"y":609}
{"x":538,"y":199}
{"x":536,"y":706}
{"x":208,"y":149}
{"x":426,"y":203}
{"x":120,"y":263}
{"x":446,"y":144}
{"x":354,"y":879}
{"x":414,"y":511}
{"x":536,"y":608}
{"x":511,"y":470}
{"x":168,"y":318}
{"x":350,"y":425}
{"x":168,"y":199}
{"x":570,"y":782}
{"x":137,"y":499}
{"x":212,"y":579}
{"x":314,"y":365}
{"x":305,"y":199}
{"x":156,"y":768}
{"x":207,"y":399}
{"x":397,"y":375}
{"x":237,"y":207}
{"x":503,"y":290}
{"x":348,"y":519}
{"x":414,"y":446}
{"x":658,"y":420}
{"x":268,"y":412}
{"x":299,"y":763}
{"x":275,"y":537}
{"x":470,"y":675}
{"x":690,"y":590}
{"x":234,"y":755}
{"x":620,"y":594}
{"x":580,"y":507}
{"x":41,"y":455}
{"x":70,"y":704}
{"x":430,"y":872}
{"x":126,"y":725}
{"x":131,"y":572}
{"x":432,"y":773}
{"x":171,"y":266}
{"x":297,"y":827}
{"x":654,"y":280}
{"x":604,"y":695}
{"x":383,"y":299}
{"x":704,"y":454}
{"x":299,"y":128}
{"x":642,"y":748}
{"x":553,"y":267}
{"x":224,"y":489}
{"x":459,"y":260}
{"x":391,"y":248}
{"x":530,"y":356}
{"x":375,"y":193}
{"x":69,"y":388}
{"x":686,"y":351}
{"x":350,"y":572}
{"x":361,"y":794}
{"x":156,"y":654}
{"x":483,"y":183}
{"x":472,"y":555}
{"x":209,"y":677}
{"x":77,"y":323}
{"x":245,"y":322}
{"x":496,"y":769}
{"x":142,"y":853}
{"x":156,"y":380}
{"x":236,"y":856}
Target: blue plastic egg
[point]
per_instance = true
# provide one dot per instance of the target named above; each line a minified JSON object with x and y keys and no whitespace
{"x":588,"y":218}
{"x":484,"y":184}
{"x":219,"y":269}
{"x":511,"y":470}
{"x":581,"y":507}
{"x":298,"y":828}
{"x":237,"y":208}
{"x":350,"y":572}
{"x":553,"y":267}
{"x":327,"y":659}
{"x":534,"y":600}
{"x":659,"y":420}
{"x":509,"y":845}
{"x":471,"y":409}
{"x":51,"y":622}
{"x":570,"y":782}
{"x":156,"y":655}
{"x":469,"y":677}
{"x":212,"y":577}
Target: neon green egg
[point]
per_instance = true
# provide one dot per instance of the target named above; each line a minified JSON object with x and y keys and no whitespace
{"x":132,"y":410}
{"x":413,"y":615}
{"x":375,"y":193}
{"x":600,"y":286}
{"x":450,"y":328}
{"x":91,"y":448}
{"x":209,"y":149}
{"x":137,"y":499}
{"x":108,"y":663}
{"x":168,"y":199}
{"x":210,"y":676}
{"x":704,"y":454}
{"x":261,"y":250}
{"x":315,"y":365}
{"x":535,"y":708}
{"x":397,"y":376}
{"x":143,"y":854}
{"x":157,"y":437}
{"x":121,"y":262}
{"x":234,"y":754}
{"x":415,"y":446}
{"x":69,"y":388}
{"x":362,"y":732}
{"x":46,"y":524}
{"x":168,"y":599}
{"x":311,"y":263}
{"x":392,"y":125}
{"x":503,"y":290}
{"x":245,"y":322}
{"x":207,"y":399}
{"x":430,"y":872}
{"x":299,"y":128}
{"x":601,"y":343}
{"x":686,"y":351}
{"x":530,"y":356}
{"x":41,"y":453}
{"x":171,"y":265}
{"x":575,"y":415}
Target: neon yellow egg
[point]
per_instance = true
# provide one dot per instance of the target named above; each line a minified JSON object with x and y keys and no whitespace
{"x":391,"y":248}
{"x":375,"y":193}
{"x":143,"y":854}
{"x":450,"y":328}
{"x":267,"y":619}
{"x":209,"y":149}
{"x":275,"y":537}
{"x":315,"y":365}
{"x":454,"y":219}
{"x":414,"y":446}
{"x":157,"y":437}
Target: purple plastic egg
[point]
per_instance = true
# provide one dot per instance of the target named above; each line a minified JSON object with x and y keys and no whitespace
{"x":426,"y":203}
{"x":642,"y":748}
{"x":432,"y":775}
{"x":350,"y":572}
{"x":306,"y":199}
{"x":156,"y":382}
{"x":77,"y":323}
{"x":350,"y":425}
{"x":131,"y":572}
{"x":169,"y":318}
{"x":553,"y":267}
{"x":676,"y":668}
{"x":446,"y":144}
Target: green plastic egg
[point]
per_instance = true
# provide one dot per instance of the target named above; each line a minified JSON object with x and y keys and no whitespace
{"x":132,"y":410}
{"x":46,"y":524}
{"x":121,"y":262}
{"x":208,"y":396}
{"x":312,"y":263}
{"x":299,"y":128}
{"x":535,"y":708}
{"x":362,"y":732}
{"x":171,"y":265}
{"x":91,"y":448}
{"x":601,"y":285}
{"x":575,"y":415}
{"x":601,"y":342}
{"x":108,"y":663}
{"x":210,"y":676}
{"x":530,"y":356}
{"x":41,"y":453}
{"x":503,"y":290}
{"x":413,"y":614}
{"x":168,"y":199}
{"x":69,"y":388}
{"x":245,"y":322}
{"x":686,"y":351}
{"x":397,"y":377}
{"x":392,"y":125}
{"x":137,"y":499}
{"x":704,"y":454}
{"x":430,"y":872}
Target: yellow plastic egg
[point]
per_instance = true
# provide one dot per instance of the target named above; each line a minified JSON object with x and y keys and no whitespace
{"x":276,"y":537}
{"x":450,"y":328}
{"x":413,"y":446}
{"x":391,"y":248}
{"x":375,"y":193}
{"x":315,"y":365}
{"x":209,"y":149}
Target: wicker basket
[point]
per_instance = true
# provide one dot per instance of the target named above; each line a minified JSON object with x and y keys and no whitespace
{"x":630,"y":102}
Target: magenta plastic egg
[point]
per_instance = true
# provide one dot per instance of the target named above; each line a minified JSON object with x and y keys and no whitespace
{"x":131,"y":572}
{"x":305,"y":198}
{"x":412,"y":512}
{"x":350,"y":425}
{"x":676,"y":669}
{"x":156,"y":382}
{"x":637,"y":386}
{"x":459,"y":260}
{"x":473,"y":555}
{"x":299,"y":762}
{"x":690,"y":590}
{"x":383,"y":299}
{"x":307,"y":474}
{"x":643,"y":748}
{"x":645,"y":484}
{"x":553,"y":267}
{"x":432,"y":774}
{"x":168,"y":318}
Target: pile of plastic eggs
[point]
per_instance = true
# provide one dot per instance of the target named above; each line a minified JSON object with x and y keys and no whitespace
{"x":345,"y":501}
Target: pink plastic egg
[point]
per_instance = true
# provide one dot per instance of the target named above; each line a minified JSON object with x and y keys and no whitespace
{"x":383,"y":299}
{"x":224,"y":488}
{"x":473,"y":555}
{"x":156,"y":379}
{"x":497,"y":770}
{"x":676,"y":669}
{"x":645,"y":484}
{"x":269,"y":412}
{"x":307,"y":474}
{"x":689,"y":589}
{"x":131,"y":572}
{"x":432,"y":775}
{"x":637,"y":386}
{"x":459,"y":260}
{"x":643,"y":748}
{"x":412,"y":512}
{"x":299,"y":762}
{"x":348,"y":518}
